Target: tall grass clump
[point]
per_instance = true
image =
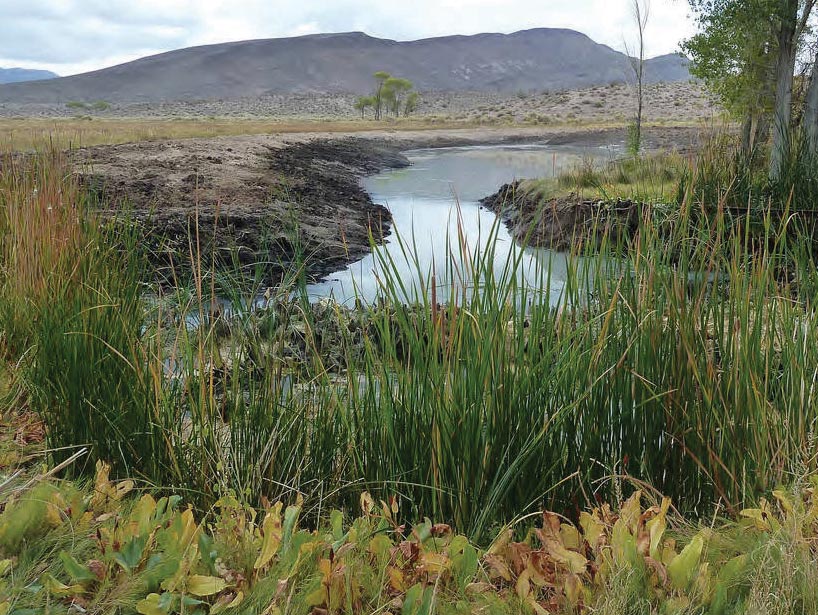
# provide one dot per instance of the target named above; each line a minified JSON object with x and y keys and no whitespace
{"x":71,"y":307}
{"x":678,"y":358}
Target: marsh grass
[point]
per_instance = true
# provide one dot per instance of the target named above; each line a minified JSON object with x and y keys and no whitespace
{"x":654,"y":178}
{"x":680,"y":356}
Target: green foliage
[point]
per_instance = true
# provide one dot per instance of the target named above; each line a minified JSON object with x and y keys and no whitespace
{"x":362,"y":103}
{"x":392,"y":94}
{"x":734,"y":52}
{"x":105,"y":549}
{"x":471,"y":395}
{"x":411,"y":104}
{"x":634,"y":145}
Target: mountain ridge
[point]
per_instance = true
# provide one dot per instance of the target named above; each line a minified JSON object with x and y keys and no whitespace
{"x":19,"y":75}
{"x":527,"y":60}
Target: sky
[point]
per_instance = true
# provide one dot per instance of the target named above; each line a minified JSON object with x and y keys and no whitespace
{"x":73,"y":36}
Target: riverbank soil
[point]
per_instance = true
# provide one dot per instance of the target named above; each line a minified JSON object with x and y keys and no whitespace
{"x":267,"y":198}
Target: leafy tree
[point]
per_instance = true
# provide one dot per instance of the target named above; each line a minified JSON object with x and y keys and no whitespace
{"x":381,"y":77}
{"x":362,"y":103}
{"x":392,"y":95}
{"x":734,"y":53}
{"x":746,"y":52}
{"x":395,"y":91}
{"x":411,"y":104}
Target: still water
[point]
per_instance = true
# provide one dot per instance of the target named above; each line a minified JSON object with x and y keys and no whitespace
{"x":438,"y":196}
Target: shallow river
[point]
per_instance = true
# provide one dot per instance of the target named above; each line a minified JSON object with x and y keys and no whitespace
{"x":424,"y":200}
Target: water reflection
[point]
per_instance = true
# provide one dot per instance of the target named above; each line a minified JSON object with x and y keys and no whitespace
{"x":436,"y":198}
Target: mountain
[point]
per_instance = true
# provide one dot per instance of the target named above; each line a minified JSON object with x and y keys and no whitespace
{"x":17,"y":75}
{"x":540,"y":59}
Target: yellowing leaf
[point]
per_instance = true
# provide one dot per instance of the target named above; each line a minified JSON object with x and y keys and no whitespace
{"x":763,"y":518}
{"x":536,"y":606}
{"x":367,"y":503}
{"x":592,"y":528}
{"x":143,"y":512}
{"x":5,"y":607}
{"x":575,"y":562}
{"x":200,"y":585}
{"x":272,"y":537}
{"x":317,"y":597}
{"x":570,"y":536}
{"x":59,"y":589}
{"x":434,"y":564}
{"x":150,"y":606}
{"x":631,"y":511}
{"x":783,"y":500}
{"x":53,"y":512}
{"x":105,"y":491}
{"x":573,"y":590}
{"x":523,"y":586}
{"x":396,"y":579}
{"x":684,"y":566}
{"x":656,"y":528}
{"x":5,"y":567}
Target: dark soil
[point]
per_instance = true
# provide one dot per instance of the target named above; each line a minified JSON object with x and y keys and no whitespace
{"x":262,"y":208}
{"x":561,"y":223}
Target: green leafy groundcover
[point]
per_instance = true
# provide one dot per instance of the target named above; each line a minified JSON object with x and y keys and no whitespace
{"x":103,"y":549}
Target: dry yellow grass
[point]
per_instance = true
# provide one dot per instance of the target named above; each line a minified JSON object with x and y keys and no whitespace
{"x":23,"y":134}
{"x":29,"y":133}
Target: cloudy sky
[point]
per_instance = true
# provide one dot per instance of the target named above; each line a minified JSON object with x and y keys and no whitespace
{"x":71,"y":36}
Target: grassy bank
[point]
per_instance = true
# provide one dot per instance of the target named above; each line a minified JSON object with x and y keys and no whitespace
{"x":652,"y":179}
{"x":682,"y":360}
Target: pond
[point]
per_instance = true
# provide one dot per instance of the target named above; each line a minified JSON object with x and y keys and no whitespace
{"x":439,"y":194}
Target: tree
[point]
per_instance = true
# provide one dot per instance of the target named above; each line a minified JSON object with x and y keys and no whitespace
{"x":381,"y":77}
{"x":748,"y":50}
{"x":362,"y":103}
{"x":793,"y":17}
{"x":734,"y":53}
{"x":784,"y":74}
{"x":810,"y":120}
{"x":395,"y":90}
{"x":392,"y":95}
{"x":412,"y":100}
{"x":641,"y":14}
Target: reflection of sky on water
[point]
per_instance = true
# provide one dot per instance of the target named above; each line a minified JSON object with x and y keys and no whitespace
{"x":424,"y":202}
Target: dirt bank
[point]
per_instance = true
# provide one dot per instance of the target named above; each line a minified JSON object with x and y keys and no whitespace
{"x":254,"y":201}
{"x":561,"y":223}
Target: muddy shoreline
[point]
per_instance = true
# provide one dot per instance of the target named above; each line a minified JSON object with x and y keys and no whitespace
{"x":561,"y":223}
{"x":269,"y":209}
{"x":267,"y":201}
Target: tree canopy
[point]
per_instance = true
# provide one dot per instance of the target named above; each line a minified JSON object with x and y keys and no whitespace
{"x":394,"y":95}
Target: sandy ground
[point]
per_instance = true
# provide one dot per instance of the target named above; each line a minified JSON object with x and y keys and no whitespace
{"x":676,"y":102}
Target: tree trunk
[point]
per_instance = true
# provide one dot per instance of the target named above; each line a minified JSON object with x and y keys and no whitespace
{"x":785,"y":68}
{"x":762,"y":129}
{"x":747,"y":137}
{"x":810,"y":120}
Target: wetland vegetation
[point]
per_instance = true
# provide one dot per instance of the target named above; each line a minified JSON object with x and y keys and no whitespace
{"x":214,"y":432}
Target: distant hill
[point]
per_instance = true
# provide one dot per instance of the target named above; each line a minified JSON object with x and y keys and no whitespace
{"x":17,"y":75}
{"x":540,"y":59}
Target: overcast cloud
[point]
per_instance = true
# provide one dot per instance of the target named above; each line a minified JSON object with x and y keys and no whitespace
{"x":71,"y":36}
